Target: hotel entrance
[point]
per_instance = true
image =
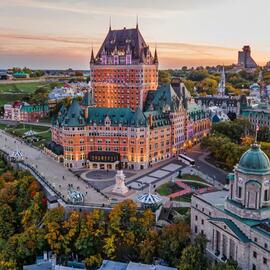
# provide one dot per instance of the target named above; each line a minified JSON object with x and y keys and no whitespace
{"x":103,"y":160}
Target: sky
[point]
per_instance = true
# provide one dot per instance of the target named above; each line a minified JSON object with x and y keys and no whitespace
{"x":58,"y":34}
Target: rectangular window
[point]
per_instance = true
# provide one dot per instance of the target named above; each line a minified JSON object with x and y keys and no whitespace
{"x":239,"y":192}
{"x":254,"y":254}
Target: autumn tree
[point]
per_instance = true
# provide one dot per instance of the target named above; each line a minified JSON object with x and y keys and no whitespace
{"x":53,"y":230}
{"x":90,"y":240}
{"x":173,"y":239}
{"x":193,"y":256}
{"x":127,"y":227}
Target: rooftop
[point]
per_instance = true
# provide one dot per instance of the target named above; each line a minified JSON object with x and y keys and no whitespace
{"x":111,"y":265}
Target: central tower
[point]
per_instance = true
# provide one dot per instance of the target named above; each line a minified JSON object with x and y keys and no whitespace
{"x":124,"y":70}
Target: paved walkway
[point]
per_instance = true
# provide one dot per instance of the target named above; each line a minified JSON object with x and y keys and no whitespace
{"x":59,"y":176}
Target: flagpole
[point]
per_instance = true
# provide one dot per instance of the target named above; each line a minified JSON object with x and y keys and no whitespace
{"x":256,"y":133}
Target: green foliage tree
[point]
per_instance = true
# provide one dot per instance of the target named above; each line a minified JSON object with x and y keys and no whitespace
{"x":229,"y":265}
{"x":193,"y":256}
{"x":164,"y":77}
{"x":126,"y":229}
{"x":173,"y":239}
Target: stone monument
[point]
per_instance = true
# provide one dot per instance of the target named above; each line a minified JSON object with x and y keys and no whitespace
{"x":120,"y":186}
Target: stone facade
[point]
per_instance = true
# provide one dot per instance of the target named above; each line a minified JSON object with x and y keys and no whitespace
{"x":124,"y":70}
{"x":106,"y":138}
{"x":21,"y":111}
{"x":237,"y":222}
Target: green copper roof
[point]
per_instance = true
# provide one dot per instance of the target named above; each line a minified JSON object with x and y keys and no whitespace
{"x":87,"y":99}
{"x":240,"y":235}
{"x":123,"y":116}
{"x":74,"y":116}
{"x":138,"y":118}
{"x":159,"y":119}
{"x":34,"y":108}
{"x":163,"y":99}
{"x":254,"y":161}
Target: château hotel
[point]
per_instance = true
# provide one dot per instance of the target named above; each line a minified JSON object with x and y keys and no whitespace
{"x":126,"y":119}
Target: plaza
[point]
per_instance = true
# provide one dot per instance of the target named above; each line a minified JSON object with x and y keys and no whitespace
{"x":95,"y":185}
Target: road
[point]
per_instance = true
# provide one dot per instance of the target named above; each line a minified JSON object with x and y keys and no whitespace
{"x":205,"y":167}
{"x":9,"y":122}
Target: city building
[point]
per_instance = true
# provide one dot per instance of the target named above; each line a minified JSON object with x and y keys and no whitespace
{"x":107,"y":138}
{"x":124,"y":70}
{"x":237,"y":222}
{"x":112,"y":265}
{"x":22,"y":111}
{"x":245,"y":61}
{"x":217,"y":114}
{"x":258,"y":115}
{"x":230,"y":105}
{"x":69,"y":90}
{"x":20,"y":75}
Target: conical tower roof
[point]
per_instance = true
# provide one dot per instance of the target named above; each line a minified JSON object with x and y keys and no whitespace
{"x":139,"y":118}
{"x":74,"y":116}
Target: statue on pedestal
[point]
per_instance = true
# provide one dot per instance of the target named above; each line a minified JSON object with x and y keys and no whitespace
{"x":120,"y":186}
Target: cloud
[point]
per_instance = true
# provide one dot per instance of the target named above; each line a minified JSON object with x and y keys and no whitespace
{"x":75,"y":51}
{"x":108,"y":8}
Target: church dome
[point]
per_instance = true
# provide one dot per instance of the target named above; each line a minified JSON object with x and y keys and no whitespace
{"x":254,"y":161}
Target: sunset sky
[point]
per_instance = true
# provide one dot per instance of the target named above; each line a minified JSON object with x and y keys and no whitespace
{"x":59,"y":33}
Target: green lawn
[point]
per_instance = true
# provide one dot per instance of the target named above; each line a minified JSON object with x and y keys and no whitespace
{"x":168,"y":188}
{"x":182,"y":210}
{"x":11,"y":97}
{"x":191,"y":177}
{"x":27,"y":87}
{"x":11,"y":92}
{"x":20,"y":129}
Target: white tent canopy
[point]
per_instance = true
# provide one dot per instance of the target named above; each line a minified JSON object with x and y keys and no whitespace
{"x":18,"y":155}
{"x":30,"y":133}
{"x":148,"y":198}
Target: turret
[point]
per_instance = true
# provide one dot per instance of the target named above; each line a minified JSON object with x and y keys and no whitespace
{"x":92,"y":60}
{"x":155,"y":57}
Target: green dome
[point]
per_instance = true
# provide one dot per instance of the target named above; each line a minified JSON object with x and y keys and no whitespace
{"x":254,"y":161}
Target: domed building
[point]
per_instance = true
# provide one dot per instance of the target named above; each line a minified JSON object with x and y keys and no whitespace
{"x":237,"y":222}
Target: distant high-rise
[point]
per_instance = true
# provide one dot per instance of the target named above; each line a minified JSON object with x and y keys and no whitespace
{"x":245,"y":61}
{"x":124,"y":70}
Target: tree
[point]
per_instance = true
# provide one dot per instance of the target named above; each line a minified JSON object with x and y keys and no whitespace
{"x":193,"y":256}
{"x":229,"y":265}
{"x":90,"y":240}
{"x":126,"y":229}
{"x":173,"y":239}
{"x":164,"y":77}
{"x":149,"y":247}
{"x":264,"y":134}
{"x":53,"y":230}
{"x":198,"y":75}
{"x":7,"y":221}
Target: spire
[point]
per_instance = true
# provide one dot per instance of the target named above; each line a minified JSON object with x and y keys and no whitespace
{"x":222,"y":83}
{"x":155,"y":56}
{"x":110,"y":24}
{"x":92,"y":60}
{"x":137,"y":22}
{"x":260,"y":77}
